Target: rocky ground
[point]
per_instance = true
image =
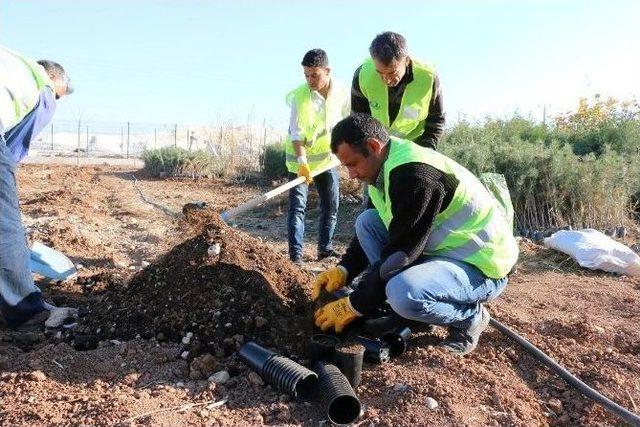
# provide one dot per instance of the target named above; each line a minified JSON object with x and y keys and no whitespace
{"x":167,"y":297}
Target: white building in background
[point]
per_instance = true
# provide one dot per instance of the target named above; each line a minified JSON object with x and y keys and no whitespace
{"x":223,"y":140}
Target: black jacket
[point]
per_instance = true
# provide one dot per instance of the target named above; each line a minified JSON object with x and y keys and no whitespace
{"x":418,"y":192}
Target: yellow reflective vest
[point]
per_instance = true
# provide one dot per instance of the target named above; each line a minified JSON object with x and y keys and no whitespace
{"x":414,"y":107}
{"x":316,"y":125}
{"x":472,"y":228}
{"x":21,"y":81}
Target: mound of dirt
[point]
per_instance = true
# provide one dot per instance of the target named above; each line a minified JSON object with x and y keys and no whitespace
{"x":212,"y":292}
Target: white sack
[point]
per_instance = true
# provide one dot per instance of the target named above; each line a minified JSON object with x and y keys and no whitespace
{"x":595,"y":250}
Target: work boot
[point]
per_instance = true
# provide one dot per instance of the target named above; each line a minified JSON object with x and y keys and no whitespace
{"x":50,"y":317}
{"x":464,"y":340}
{"x":36,"y":323}
{"x":326,"y":254}
{"x":62,"y":317}
{"x":296,"y":258}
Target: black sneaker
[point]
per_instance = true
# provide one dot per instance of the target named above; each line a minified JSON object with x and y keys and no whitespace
{"x":464,"y":341}
{"x":326,"y":254}
{"x":377,"y":327}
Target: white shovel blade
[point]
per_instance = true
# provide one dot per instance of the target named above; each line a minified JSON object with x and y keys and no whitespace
{"x":50,"y":263}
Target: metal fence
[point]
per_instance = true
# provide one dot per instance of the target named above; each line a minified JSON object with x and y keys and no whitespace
{"x":90,"y":139}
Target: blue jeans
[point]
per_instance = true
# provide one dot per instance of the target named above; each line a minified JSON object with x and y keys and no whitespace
{"x":328,"y":186}
{"x":435,"y":290}
{"x":20,"y":299}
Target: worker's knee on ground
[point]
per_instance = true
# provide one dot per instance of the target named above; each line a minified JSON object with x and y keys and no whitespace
{"x":364,"y":222}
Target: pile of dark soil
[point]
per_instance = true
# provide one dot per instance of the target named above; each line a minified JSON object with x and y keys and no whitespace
{"x":215,"y":290}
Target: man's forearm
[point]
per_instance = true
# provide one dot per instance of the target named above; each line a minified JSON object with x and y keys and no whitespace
{"x":435,"y":122}
{"x":371,"y":294}
{"x":433,"y":130}
{"x":354,"y":259}
{"x":359,"y":103}
{"x":299,"y":150}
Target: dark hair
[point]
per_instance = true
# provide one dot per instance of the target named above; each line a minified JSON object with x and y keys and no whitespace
{"x":355,"y":130}
{"x":388,"y":46}
{"x":52,"y":68}
{"x":56,"y":73}
{"x":315,"y":58}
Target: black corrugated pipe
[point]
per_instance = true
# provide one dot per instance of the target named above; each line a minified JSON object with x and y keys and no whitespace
{"x":583,"y":388}
{"x":279,"y":371}
{"x":338,"y":399}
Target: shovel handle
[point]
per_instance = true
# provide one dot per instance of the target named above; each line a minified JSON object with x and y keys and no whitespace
{"x":258,"y":200}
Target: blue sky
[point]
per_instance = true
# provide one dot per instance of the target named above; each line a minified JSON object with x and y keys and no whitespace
{"x":198,"y":62}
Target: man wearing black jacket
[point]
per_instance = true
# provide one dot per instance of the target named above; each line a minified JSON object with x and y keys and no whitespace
{"x":402,"y":92}
{"x":438,"y":244}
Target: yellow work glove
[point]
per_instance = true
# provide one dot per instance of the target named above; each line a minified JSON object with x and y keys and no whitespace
{"x":330,"y":280}
{"x":303,"y":170}
{"x":337,"y":314}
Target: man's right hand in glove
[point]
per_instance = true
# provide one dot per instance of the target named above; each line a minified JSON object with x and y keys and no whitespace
{"x":330,"y":280}
{"x":304,"y":170}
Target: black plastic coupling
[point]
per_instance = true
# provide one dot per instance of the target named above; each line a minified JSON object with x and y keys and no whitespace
{"x":281,"y":372}
{"x":375,"y":351}
{"x":322,"y":347}
{"x":336,"y":395}
{"x":397,"y":340}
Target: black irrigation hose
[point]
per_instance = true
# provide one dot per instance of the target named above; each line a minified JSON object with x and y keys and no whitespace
{"x":151,"y":202}
{"x":592,"y":394}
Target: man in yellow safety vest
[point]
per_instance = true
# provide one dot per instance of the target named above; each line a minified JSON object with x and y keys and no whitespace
{"x":316,"y":106}
{"x":437,"y":242}
{"x":402,"y":92}
{"x":29,"y":91}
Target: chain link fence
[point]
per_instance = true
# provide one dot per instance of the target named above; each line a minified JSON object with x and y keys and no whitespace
{"x":103,"y":140}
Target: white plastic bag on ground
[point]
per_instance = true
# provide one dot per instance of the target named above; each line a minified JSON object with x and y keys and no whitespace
{"x":595,"y":250}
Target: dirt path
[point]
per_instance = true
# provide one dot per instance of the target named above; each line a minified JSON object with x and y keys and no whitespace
{"x":586,"y":321}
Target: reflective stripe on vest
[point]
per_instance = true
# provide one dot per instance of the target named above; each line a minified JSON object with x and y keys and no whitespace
{"x":21,"y":81}
{"x":471,"y":228}
{"x":317,"y":141}
{"x":311,"y":158}
{"x":414,"y":107}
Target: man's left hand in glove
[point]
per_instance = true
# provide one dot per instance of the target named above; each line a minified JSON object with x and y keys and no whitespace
{"x":337,"y":314}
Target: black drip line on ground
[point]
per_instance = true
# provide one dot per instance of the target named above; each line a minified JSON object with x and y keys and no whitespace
{"x":163,"y":208}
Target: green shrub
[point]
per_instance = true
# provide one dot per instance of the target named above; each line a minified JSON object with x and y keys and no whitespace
{"x":601,"y":124}
{"x":550,"y":184}
{"x":173,"y":161}
{"x":272,"y":160}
